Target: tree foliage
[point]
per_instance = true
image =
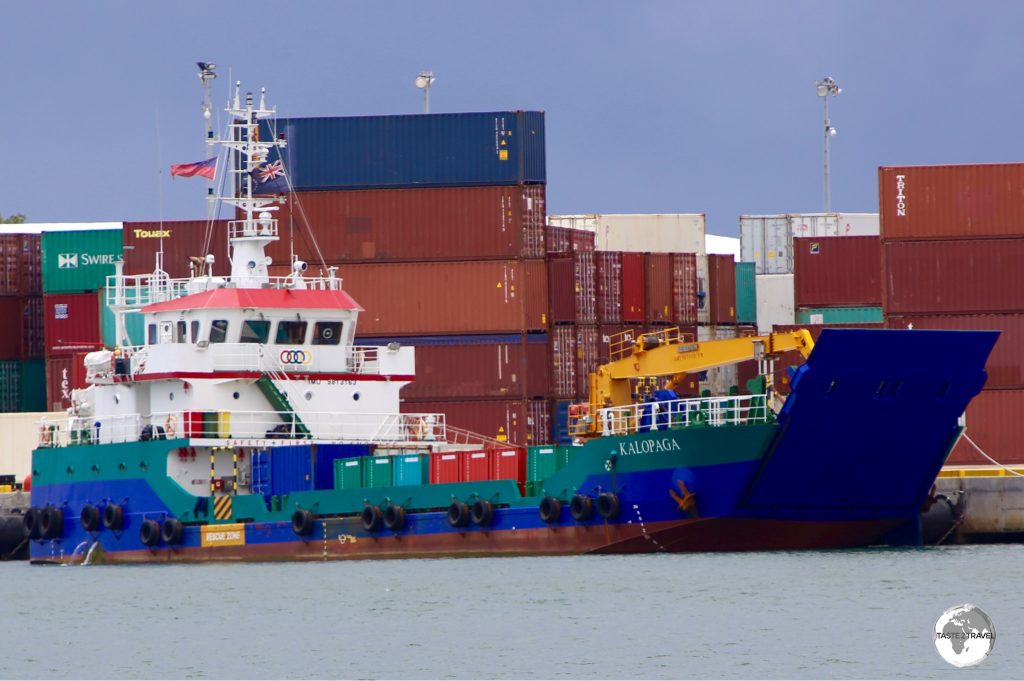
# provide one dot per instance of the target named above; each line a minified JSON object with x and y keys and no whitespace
{"x":15,"y":219}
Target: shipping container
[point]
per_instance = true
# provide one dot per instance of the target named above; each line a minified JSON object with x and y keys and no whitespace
{"x":445,"y":298}
{"x":1005,"y":366}
{"x":719,"y":379}
{"x":290,"y":469}
{"x":838,"y":272}
{"x":684,"y":289}
{"x":441,"y":223}
{"x":71,"y":323}
{"x":32,"y":330}
{"x":838,"y":315}
{"x":10,"y":386}
{"x":378,"y":471}
{"x":520,"y":422}
{"x":79,"y":260}
{"x":704,"y":302}
{"x":509,"y":464}
{"x":633,"y":295}
{"x":20,"y":265}
{"x":994,"y":424}
{"x":641,"y":233}
{"x":11,"y":341}
{"x":767,"y":240}
{"x":327,"y":454}
{"x":510,"y":366}
{"x":572,"y":287}
{"x":746,"y":293}
{"x":348,"y":473}
{"x":563,"y":361}
{"x":560,"y":434}
{"x":722,"y":289}
{"x":608,"y":286}
{"x":774,"y":301}
{"x":185,"y":244}
{"x":445,"y":467}
{"x":658,"y":289}
{"x":476,"y":465}
{"x":560,"y":240}
{"x":61,"y":376}
{"x":421,"y":150}
{"x":964,"y":276}
{"x":952,"y":201}
{"x":411,"y":468}
{"x":588,"y":354}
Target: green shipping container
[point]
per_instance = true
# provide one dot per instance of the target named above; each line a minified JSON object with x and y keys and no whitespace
{"x":348,"y":473}
{"x":411,"y":469}
{"x":33,"y":386}
{"x":541,"y":462}
{"x":80,"y":260}
{"x":378,"y":471}
{"x":838,"y":315}
{"x":10,"y":385}
{"x":746,"y":293}
{"x":133,"y":324}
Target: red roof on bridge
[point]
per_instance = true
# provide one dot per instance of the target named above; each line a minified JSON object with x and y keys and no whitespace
{"x":258,"y":298}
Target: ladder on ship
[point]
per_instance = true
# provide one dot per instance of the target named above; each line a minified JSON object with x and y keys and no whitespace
{"x":280,"y":402}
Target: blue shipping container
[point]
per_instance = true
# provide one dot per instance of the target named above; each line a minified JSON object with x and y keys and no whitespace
{"x":422,"y":150}
{"x":560,"y":423}
{"x":261,"y":472}
{"x":326,"y":455}
{"x":290,"y":469}
{"x":411,"y":469}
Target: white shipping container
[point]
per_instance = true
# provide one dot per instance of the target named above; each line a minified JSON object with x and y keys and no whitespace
{"x":719,"y":379}
{"x":722,"y":245}
{"x":767,"y":240}
{"x":775,"y":301}
{"x":641,"y":233}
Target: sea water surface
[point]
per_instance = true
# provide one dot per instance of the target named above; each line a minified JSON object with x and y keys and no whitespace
{"x":813,"y":614}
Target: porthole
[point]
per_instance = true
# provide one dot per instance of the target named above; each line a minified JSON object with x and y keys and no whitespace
{"x":308,"y":395}
{"x":355,"y":397}
{"x":235,"y":395}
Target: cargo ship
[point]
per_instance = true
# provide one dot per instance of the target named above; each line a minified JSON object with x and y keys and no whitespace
{"x":250,"y":426}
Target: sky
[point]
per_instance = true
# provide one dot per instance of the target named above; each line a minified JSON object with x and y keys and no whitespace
{"x":651,"y":107}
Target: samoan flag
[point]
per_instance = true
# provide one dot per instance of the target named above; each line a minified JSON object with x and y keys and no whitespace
{"x":207,"y":169}
{"x":269,"y":178}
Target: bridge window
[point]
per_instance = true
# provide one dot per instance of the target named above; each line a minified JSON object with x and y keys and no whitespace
{"x":291,"y":333}
{"x":195,"y":331}
{"x":254,"y":331}
{"x":151,"y":334}
{"x":327,"y":333}
{"x":219,"y":331}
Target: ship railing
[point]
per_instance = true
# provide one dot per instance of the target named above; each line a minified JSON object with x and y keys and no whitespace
{"x":138,"y":291}
{"x":730,"y":410}
{"x":239,"y":229}
{"x":242,"y":427}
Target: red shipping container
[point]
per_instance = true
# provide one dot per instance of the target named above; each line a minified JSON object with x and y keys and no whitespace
{"x":1005,"y":366}
{"x":436,"y":223}
{"x":181,"y":240}
{"x":568,"y":240}
{"x":841,"y":271}
{"x":633,"y":296}
{"x":11,"y":311}
{"x":684,"y":289}
{"x":606,"y":334}
{"x":722,"y":289}
{"x":966,"y":276}
{"x":62,"y":377}
{"x":571,"y":284}
{"x":32,"y":346}
{"x":608,"y":286}
{"x":446,"y":298}
{"x":658,"y":288}
{"x":994,"y":423}
{"x":478,"y":366}
{"x":71,"y":323}
{"x":445,"y":467}
{"x":520,"y":422}
{"x":588,"y":353}
{"x":476,"y":465}
{"x":563,"y":361}
{"x":952,"y":201}
{"x":509,"y":464}
{"x":20,"y":265}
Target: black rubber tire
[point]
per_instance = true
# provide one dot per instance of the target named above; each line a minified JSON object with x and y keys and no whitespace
{"x":113,"y":517}
{"x":30,"y":523}
{"x":482,"y":513}
{"x":581,"y":508}
{"x":302,"y":522}
{"x":608,"y":505}
{"x":92,"y":519}
{"x":458,"y":514}
{"x":51,"y":522}
{"x":171,"y":531}
{"x":149,"y":533}
{"x":394,"y":517}
{"x":550,"y":510}
{"x":373,"y":518}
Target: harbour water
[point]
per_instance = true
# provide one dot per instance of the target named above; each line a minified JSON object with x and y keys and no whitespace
{"x":823,"y":614}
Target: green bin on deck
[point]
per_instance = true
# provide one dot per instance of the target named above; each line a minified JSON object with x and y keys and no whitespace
{"x":377,"y":471}
{"x":210,"y":424}
{"x":348,"y":473}
{"x":411,"y":469}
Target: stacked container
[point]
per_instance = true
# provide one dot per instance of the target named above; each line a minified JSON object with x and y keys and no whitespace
{"x":21,"y":346}
{"x":838,"y":280}
{"x":952,"y":244}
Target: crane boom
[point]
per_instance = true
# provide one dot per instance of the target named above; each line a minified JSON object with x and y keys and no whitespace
{"x":669,"y":353}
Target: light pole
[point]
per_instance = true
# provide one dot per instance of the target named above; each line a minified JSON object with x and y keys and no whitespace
{"x":828,"y":87}
{"x":423,"y":81}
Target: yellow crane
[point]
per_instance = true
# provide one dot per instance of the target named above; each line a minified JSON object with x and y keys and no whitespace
{"x":668,"y":353}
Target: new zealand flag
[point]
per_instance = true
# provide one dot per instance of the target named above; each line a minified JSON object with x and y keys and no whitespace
{"x":269,"y":178}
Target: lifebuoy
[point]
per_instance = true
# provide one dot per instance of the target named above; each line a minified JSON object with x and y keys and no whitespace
{"x":458,"y":514}
{"x":171,"y":531}
{"x":113,"y":516}
{"x":302,"y":522}
{"x":30,"y":523}
{"x":550,"y":510}
{"x":394,"y":517}
{"x":149,"y":533}
{"x":169,"y":425}
{"x":581,"y":508}
{"x":482,"y":513}
{"x":91,"y":518}
{"x":608,"y":505}
{"x":51,"y":522}
{"x":373,"y":518}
